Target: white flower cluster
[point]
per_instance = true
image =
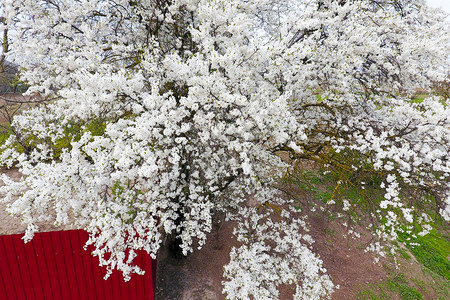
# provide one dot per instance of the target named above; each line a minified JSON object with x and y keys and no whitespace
{"x":154,"y":115}
{"x":273,"y":254}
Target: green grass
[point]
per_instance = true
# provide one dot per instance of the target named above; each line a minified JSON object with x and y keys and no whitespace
{"x":432,"y":251}
{"x":376,"y":292}
{"x":324,"y":197}
{"x":400,"y":285}
{"x":419,"y":98}
{"x":397,"y":284}
{"x":4,"y":134}
{"x":404,"y":254}
{"x":439,"y":285}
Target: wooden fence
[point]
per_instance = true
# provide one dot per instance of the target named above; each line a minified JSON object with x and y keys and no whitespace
{"x":54,"y":266}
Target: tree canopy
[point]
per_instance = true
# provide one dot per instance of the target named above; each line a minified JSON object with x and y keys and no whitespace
{"x":155,"y":115}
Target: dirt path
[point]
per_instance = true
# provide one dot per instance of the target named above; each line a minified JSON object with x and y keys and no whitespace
{"x":199,"y":276}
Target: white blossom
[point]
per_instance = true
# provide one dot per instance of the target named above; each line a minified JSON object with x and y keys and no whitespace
{"x":152,"y":116}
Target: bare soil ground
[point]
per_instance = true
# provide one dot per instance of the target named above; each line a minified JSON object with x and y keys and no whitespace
{"x":13,"y":225}
{"x":9,"y":224}
{"x":199,"y":275}
{"x":11,"y":104}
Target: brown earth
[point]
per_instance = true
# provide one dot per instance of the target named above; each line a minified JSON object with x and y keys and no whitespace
{"x":199,"y":275}
{"x":13,"y":225}
{"x":11,"y":104}
{"x":9,"y":224}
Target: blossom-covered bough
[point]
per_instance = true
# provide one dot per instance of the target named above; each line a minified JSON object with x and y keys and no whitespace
{"x":155,"y":115}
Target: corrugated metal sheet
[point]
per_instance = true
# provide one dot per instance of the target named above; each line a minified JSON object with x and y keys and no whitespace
{"x":54,"y":266}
